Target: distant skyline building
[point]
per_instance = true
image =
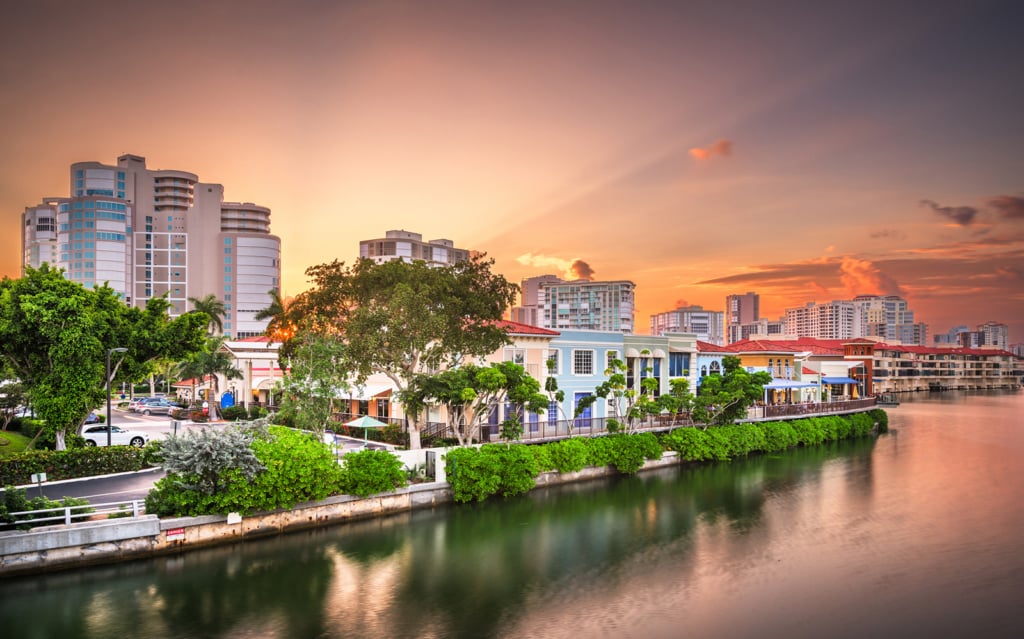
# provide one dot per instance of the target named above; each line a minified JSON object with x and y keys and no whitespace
{"x":706,"y":325}
{"x":950,"y":338}
{"x":995,"y":334}
{"x":739,"y":310}
{"x":583,"y":305}
{"x":828,"y":320}
{"x":888,"y":318}
{"x":409,"y":246}
{"x":153,"y":232}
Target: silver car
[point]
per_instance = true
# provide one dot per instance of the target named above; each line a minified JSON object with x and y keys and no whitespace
{"x":97,"y":436}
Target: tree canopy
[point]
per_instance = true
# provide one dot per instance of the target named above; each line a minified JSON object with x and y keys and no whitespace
{"x":400,"y":319}
{"x":55,"y":334}
{"x":214,"y":310}
{"x":724,"y":398}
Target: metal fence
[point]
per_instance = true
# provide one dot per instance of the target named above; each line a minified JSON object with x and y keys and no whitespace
{"x":70,"y":514}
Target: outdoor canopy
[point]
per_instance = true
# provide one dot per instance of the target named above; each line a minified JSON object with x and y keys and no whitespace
{"x":365,"y":422}
{"x":788,"y":383}
{"x":839,"y":380}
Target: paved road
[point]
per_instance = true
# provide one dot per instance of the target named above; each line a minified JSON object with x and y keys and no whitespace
{"x":99,"y":490}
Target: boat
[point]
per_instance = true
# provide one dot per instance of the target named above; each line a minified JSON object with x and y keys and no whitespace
{"x":887,"y":399}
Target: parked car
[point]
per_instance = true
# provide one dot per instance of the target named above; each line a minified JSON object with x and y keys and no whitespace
{"x":134,"y":404}
{"x":97,"y":436}
{"x":159,"y":407}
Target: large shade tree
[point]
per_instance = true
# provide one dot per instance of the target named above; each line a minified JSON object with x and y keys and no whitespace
{"x":723,"y":398}
{"x":470,"y":392}
{"x":401,"y":319}
{"x":55,"y":335}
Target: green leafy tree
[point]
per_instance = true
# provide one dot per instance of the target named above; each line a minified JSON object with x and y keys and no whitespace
{"x":214,"y":310}
{"x":678,"y":401}
{"x":12,"y":396}
{"x":469,"y":392}
{"x":629,"y":407}
{"x":401,"y":319}
{"x":314,"y":379}
{"x":54,"y":337}
{"x":724,"y":398}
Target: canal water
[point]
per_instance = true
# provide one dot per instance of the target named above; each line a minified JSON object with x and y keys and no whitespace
{"x":918,"y":533}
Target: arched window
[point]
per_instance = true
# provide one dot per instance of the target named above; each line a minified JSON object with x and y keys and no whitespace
{"x":703,"y":371}
{"x":771,"y":364}
{"x":715,"y":369}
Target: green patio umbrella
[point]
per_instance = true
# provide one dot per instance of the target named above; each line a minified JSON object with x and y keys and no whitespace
{"x":365,"y":422}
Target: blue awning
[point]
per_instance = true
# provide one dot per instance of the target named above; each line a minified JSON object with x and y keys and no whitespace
{"x":839,"y":380}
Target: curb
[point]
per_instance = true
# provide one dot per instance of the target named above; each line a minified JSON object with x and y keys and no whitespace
{"x":90,"y":477}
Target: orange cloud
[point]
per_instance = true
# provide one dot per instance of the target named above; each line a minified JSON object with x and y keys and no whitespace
{"x":862,"y":277}
{"x":720,"y":147}
{"x":574,"y":269}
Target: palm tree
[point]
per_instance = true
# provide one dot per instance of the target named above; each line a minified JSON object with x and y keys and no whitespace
{"x":279,"y":328}
{"x":214,"y":309}
{"x":211,"y":361}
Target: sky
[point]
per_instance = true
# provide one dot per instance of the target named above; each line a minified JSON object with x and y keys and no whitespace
{"x":807,"y":151}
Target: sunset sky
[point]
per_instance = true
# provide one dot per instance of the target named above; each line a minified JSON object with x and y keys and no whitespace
{"x":802,"y":150}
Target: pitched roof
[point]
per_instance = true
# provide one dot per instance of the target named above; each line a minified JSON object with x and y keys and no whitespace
{"x":708,"y":347}
{"x":516,"y":328}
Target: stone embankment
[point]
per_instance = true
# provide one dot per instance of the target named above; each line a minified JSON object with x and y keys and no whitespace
{"x":112,"y":540}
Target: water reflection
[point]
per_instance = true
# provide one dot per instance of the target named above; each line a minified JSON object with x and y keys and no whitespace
{"x":785,"y":544}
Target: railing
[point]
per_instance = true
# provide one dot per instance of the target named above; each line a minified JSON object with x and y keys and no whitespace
{"x":69,"y":514}
{"x":811,"y":408}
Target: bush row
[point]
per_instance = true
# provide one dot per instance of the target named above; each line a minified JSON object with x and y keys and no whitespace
{"x":501,"y":469}
{"x":235,"y":413}
{"x":13,"y":500}
{"x":72,"y":463}
{"x":297,"y":468}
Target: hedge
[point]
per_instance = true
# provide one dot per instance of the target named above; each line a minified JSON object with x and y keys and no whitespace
{"x":71,"y":463}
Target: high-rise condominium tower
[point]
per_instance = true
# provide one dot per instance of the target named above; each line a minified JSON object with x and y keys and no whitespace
{"x":152,"y":232}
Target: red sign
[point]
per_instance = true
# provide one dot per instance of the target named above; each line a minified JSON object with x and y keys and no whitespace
{"x":175,"y":533}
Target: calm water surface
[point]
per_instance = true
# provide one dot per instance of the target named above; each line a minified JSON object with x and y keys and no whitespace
{"x":919,"y":533}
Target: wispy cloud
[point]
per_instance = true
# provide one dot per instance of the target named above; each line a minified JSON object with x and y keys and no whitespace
{"x":1009,"y":206}
{"x":962,"y":215}
{"x":719,"y":147}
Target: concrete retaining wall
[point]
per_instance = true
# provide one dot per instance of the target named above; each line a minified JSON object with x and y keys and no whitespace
{"x":58,"y":547}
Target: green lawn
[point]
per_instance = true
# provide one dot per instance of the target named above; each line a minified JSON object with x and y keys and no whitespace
{"x":12,"y":443}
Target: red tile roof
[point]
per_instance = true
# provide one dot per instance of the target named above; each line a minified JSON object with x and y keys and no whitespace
{"x":708,"y":347}
{"x":515,"y":328}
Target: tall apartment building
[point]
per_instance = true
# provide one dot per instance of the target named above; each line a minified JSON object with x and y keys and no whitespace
{"x":830,"y":320}
{"x":586,"y":305}
{"x":950,"y":338}
{"x":706,"y":325}
{"x":154,"y":232}
{"x":408,"y":246}
{"x":888,"y":318}
{"x":994,"y":334}
{"x":763,"y":327}
{"x":529,"y":311}
{"x":739,"y":310}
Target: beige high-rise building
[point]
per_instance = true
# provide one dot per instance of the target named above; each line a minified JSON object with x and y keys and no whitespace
{"x":409,"y":246}
{"x":153,"y":232}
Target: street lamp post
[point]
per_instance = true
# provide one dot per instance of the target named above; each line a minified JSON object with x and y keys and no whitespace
{"x":109,"y":425}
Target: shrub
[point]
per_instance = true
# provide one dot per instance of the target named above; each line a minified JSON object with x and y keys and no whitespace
{"x":70,"y":463}
{"x":220,"y":477}
{"x":779,"y":436}
{"x":368,"y":472}
{"x":567,"y":455}
{"x":234,"y":413}
{"x":625,"y":452}
{"x":13,"y":500}
{"x":256,"y":412}
{"x":692,"y":444}
{"x":542,"y":453}
{"x":880,"y":417}
{"x":473,"y":476}
{"x":807,"y":432}
{"x":518,"y":466}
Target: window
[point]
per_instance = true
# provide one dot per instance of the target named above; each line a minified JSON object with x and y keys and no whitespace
{"x":610,"y":357}
{"x":516,"y":356}
{"x":551,"y":365}
{"x":678,"y":364}
{"x":716,"y":368}
{"x":583,"y":362}
{"x":583,"y":421}
{"x":553,"y":412}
